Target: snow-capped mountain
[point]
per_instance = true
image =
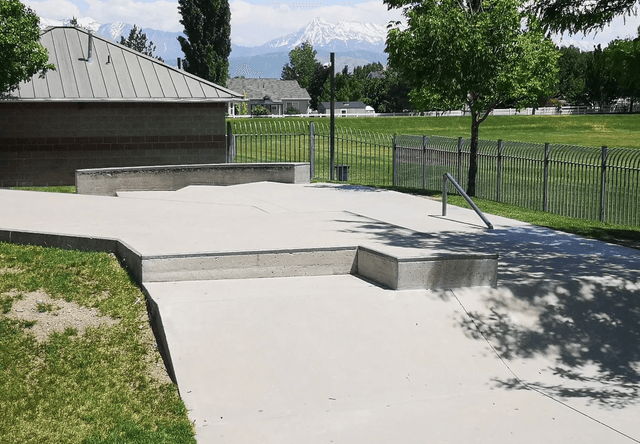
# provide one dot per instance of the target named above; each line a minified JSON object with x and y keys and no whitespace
{"x":325,"y":35}
{"x":85,"y":22}
{"x":353,"y":43}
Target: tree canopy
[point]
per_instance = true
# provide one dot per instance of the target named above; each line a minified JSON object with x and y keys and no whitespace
{"x":302,"y":65}
{"x":21,"y":54}
{"x":208,"y":43}
{"x":581,"y":15}
{"x":477,"y":54}
{"x":137,"y":41}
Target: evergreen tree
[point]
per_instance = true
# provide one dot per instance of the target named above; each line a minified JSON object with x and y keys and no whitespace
{"x":208,"y":43}
{"x":137,"y":41}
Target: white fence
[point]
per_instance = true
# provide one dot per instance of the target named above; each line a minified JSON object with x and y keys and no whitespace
{"x":620,"y":107}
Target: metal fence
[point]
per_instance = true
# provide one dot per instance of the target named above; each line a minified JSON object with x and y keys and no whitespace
{"x":582,"y":182}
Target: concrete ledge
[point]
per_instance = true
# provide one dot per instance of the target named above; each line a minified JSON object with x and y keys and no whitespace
{"x":250,"y":264}
{"x":445,"y":270}
{"x":108,"y":181}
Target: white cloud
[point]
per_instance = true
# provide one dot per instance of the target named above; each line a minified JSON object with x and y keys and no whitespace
{"x":255,"y":24}
{"x":54,"y":9}
{"x":620,"y":28}
{"x":161,"y":14}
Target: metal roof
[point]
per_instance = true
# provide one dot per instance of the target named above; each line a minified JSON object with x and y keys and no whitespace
{"x":111,"y":72}
{"x":277,"y":90}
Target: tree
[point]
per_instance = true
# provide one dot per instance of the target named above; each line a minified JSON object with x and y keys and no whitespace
{"x":580,"y":15}
{"x":476,"y":54}
{"x":624,"y":61}
{"x":387,"y":93}
{"x":137,"y":41}
{"x":572,"y":65}
{"x":301,"y":66}
{"x":208,"y":43}
{"x":600,"y":85}
{"x":317,"y":84}
{"x":21,"y":54}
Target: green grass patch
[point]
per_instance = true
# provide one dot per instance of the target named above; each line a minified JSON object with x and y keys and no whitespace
{"x":59,"y":189}
{"x":612,"y":130}
{"x":94,"y":387}
{"x":625,"y":235}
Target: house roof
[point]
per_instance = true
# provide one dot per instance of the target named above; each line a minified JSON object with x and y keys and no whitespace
{"x":111,"y":72}
{"x":277,"y":90}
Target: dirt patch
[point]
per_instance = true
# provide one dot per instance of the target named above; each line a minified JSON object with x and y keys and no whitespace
{"x":55,"y":315}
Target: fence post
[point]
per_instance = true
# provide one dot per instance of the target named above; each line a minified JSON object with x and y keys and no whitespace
{"x":458,"y":179}
{"x":603,"y":182}
{"x":312,"y":151}
{"x":229,"y":143}
{"x":424,"y":162}
{"x":394,"y":160}
{"x":499,"y":166}
{"x":545,"y":190}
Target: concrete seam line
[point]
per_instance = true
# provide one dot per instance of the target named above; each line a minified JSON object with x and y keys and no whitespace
{"x":526,"y":385}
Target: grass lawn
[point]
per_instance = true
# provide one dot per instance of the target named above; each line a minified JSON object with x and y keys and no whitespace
{"x":60,"y":189}
{"x":612,"y":130}
{"x":624,"y":235}
{"x":78,"y":361}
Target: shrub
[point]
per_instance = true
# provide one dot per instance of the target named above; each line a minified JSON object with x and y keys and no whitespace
{"x":259,"y":111}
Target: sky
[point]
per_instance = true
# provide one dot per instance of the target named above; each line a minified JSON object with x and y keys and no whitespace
{"x":256,"y":22}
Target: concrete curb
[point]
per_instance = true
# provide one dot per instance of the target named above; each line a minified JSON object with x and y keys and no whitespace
{"x":108,"y":181}
{"x":441,"y":270}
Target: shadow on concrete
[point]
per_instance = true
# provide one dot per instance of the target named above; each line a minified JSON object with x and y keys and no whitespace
{"x":349,"y":187}
{"x":570,"y":301}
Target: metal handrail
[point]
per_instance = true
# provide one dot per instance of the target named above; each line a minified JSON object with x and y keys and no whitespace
{"x":447,"y":176}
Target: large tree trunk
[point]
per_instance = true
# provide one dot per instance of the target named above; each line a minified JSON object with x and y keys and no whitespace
{"x":473,"y":155}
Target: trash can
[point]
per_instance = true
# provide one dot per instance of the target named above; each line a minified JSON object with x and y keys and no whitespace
{"x":342,"y":173}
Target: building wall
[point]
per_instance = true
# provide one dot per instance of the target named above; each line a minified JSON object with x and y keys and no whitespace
{"x":44,"y":143}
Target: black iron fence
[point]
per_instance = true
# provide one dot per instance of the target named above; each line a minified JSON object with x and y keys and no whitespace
{"x":582,"y":182}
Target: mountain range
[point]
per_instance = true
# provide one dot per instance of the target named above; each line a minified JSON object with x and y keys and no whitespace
{"x":354,"y":44}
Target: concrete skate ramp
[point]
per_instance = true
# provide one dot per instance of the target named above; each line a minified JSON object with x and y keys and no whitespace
{"x":549,"y":354}
{"x":337,"y":359}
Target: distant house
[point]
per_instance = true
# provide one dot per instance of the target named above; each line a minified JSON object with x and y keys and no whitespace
{"x":346,"y":108}
{"x":277,"y":96}
{"x":106,"y":105}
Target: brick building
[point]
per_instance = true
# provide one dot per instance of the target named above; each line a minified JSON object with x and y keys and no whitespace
{"x":106,"y":105}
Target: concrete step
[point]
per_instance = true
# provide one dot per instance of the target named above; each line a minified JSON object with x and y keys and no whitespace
{"x":430,"y":271}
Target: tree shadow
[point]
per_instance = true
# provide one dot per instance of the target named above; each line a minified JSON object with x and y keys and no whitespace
{"x":574,"y":302}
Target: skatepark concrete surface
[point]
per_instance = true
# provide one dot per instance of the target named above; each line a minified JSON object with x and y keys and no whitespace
{"x":548,"y":354}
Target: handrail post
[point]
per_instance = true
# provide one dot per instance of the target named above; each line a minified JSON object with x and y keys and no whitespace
{"x":444,"y":195}
{"x":448,"y":176}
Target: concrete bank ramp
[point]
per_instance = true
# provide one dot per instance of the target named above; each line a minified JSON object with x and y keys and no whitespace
{"x":324,"y":355}
{"x":337,"y":359}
